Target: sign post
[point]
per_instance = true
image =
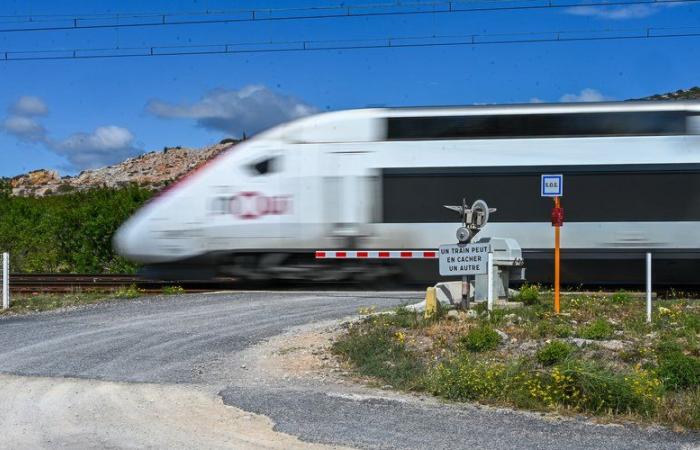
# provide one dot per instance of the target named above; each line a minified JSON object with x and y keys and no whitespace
{"x":5,"y":280}
{"x":553,"y":186}
{"x":464,"y":258}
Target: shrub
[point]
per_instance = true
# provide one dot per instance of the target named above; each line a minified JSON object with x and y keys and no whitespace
{"x":481,"y":339}
{"x":594,"y":388}
{"x":599,"y":329}
{"x":679,"y":371}
{"x":173,"y":290}
{"x":554,"y":352}
{"x":465,"y":378}
{"x":563,"y":330}
{"x":529,"y":294}
{"x":128,"y":292}
{"x":620,"y":297}
{"x":376,"y":352}
{"x":402,"y":317}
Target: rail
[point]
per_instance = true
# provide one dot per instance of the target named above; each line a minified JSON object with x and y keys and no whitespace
{"x":38,"y":282}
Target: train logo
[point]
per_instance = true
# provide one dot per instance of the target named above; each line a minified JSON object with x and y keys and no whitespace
{"x":251,"y":205}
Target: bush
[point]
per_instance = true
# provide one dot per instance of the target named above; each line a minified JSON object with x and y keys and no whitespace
{"x":529,"y":294}
{"x":481,"y":339}
{"x":68,"y":233}
{"x":599,"y":329}
{"x":620,"y":297}
{"x":554,"y":352}
{"x":678,"y":371}
{"x":173,"y":290}
{"x":376,"y":352}
{"x":464,"y":378}
{"x":402,"y":317}
{"x":594,"y":388}
{"x":128,"y":292}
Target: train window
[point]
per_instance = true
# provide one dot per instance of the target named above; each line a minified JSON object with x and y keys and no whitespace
{"x":645,"y":123}
{"x":264,"y":167}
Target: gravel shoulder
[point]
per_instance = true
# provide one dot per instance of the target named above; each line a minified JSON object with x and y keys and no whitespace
{"x":292,"y":379}
{"x":240,"y":370}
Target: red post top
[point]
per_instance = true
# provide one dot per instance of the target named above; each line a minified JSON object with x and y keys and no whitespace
{"x":557,"y":214}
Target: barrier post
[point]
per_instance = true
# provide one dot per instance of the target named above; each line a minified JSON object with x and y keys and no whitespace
{"x":489,"y":289}
{"x":431,"y":306}
{"x":5,"y":280}
{"x":648,"y":287}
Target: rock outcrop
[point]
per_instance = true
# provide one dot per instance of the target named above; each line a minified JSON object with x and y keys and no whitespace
{"x":153,"y":170}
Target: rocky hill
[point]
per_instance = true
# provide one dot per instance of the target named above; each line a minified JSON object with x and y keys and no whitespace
{"x":154,"y":170}
{"x":681,"y":94}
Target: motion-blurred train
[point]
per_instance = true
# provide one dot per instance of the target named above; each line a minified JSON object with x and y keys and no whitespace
{"x":378,"y":179}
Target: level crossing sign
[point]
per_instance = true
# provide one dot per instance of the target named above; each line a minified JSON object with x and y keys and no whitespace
{"x":552,"y":185}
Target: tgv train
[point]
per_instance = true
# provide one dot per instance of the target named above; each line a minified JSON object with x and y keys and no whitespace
{"x":378,"y":179}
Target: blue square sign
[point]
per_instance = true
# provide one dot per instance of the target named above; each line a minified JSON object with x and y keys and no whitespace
{"x":552,"y":185}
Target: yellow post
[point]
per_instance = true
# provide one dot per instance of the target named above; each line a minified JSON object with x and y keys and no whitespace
{"x":430,"y":303}
{"x":556,"y":260}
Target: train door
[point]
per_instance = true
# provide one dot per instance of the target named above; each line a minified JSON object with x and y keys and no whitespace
{"x":348,"y":200}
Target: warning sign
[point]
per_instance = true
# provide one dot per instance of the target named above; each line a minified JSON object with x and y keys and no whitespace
{"x":464,"y":259}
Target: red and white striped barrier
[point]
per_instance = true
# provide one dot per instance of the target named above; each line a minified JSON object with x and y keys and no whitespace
{"x":376,"y":254}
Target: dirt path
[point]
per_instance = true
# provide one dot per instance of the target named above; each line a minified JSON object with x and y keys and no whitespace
{"x":73,"y":413}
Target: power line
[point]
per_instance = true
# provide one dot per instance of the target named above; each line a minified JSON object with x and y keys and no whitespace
{"x":135,"y":20}
{"x":334,"y":45}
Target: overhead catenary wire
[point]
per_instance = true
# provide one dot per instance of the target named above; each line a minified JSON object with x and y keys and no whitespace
{"x":355,"y":44}
{"x":134,"y":20}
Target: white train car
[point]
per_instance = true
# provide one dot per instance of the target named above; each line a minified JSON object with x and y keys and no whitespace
{"x":377,"y":179}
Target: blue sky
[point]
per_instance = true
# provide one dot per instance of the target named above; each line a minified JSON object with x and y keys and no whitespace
{"x":73,"y":114}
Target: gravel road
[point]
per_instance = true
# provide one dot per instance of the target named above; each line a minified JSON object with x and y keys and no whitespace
{"x":159,"y":372}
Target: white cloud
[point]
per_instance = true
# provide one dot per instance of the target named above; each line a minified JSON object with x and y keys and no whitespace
{"x":536,"y":100}
{"x":248,"y":110}
{"x":24,"y":128}
{"x":28,"y":106}
{"x":105,"y":145}
{"x":621,"y":12}
{"x":20,"y":121}
{"x":586,"y":95}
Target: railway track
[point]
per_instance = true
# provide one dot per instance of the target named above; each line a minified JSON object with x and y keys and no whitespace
{"x":27,"y":283}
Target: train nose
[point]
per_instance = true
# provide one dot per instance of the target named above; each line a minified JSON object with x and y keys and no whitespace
{"x":131,"y":241}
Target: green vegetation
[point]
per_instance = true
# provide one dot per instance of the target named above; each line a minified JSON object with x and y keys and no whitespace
{"x":554,"y":352}
{"x":128,"y":292}
{"x":30,"y":303}
{"x":68,"y":233}
{"x":481,"y":339}
{"x":173,"y":290}
{"x":599,"y":329}
{"x":645,"y":372}
{"x":529,"y":294}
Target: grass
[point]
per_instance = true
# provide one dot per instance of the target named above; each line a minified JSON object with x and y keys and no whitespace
{"x":39,"y":302}
{"x":650,"y":374}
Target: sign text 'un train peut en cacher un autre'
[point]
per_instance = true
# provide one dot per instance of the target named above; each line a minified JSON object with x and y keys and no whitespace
{"x":464,"y":259}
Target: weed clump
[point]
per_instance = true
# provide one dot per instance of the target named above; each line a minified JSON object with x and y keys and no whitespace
{"x":529,"y":294}
{"x":679,"y":371}
{"x":554,"y":352}
{"x":481,"y":339}
{"x":599,"y":329}
{"x":379,"y":352}
{"x":173,"y":290}
{"x":620,"y":297}
{"x":128,"y":292}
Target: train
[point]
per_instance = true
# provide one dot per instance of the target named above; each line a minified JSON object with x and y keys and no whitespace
{"x":379,"y":178}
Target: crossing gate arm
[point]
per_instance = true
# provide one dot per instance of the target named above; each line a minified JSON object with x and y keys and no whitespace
{"x":376,"y":254}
